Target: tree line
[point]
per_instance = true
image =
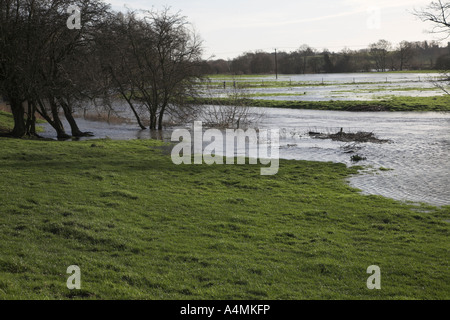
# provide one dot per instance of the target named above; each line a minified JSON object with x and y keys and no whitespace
{"x":379,"y":56}
{"x":148,"y":59}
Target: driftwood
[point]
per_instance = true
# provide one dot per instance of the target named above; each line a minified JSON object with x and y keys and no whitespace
{"x":349,"y":137}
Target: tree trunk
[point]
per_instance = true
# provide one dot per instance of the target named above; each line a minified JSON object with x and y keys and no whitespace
{"x":76,"y":132}
{"x":19,"y":120}
{"x":134,"y":111}
{"x":31,"y":119}
{"x":57,"y":124}
{"x":160,"y":120}
{"x":153,"y":121}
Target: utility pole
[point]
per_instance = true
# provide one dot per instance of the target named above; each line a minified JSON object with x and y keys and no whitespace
{"x":276,"y":64}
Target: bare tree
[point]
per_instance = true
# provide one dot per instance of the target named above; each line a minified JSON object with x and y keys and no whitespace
{"x":262,"y":63}
{"x":438,"y":13}
{"x":114,"y":56}
{"x":154,"y":60}
{"x":36,"y":45}
{"x":305,"y":51}
{"x":404,"y":53}
{"x":379,"y":52}
{"x":235,"y":112}
{"x":151,"y":59}
{"x":62,"y":71}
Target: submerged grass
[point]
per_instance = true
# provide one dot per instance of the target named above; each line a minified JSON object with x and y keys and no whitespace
{"x":381,"y":89}
{"x":140,"y":227}
{"x":230,"y":76}
{"x":268,"y":83}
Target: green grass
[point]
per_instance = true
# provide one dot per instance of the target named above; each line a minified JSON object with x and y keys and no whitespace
{"x":140,"y":227}
{"x":388,"y":103}
{"x":6,"y":121}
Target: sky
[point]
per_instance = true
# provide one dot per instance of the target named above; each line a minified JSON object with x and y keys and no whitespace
{"x":230,"y":28}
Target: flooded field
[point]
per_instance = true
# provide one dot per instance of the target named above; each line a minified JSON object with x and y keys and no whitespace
{"x":325,"y":87}
{"x":414,"y":166}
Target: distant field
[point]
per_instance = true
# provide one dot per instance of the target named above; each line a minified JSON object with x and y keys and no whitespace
{"x":414,"y":71}
{"x":240,"y":76}
{"x":391,"y":103}
{"x":271,"y":75}
{"x":321,"y":88}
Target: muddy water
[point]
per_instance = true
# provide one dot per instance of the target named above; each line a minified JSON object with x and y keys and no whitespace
{"x":417,"y":156}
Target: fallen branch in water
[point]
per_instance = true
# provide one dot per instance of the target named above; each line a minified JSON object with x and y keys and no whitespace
{"x":349,"y":137}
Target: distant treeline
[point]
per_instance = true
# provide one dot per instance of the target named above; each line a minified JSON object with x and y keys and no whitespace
{"x":379,"y":56}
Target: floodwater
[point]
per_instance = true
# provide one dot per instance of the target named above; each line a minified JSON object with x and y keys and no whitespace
{"x":417,"y":155}
{"x":418,"y":152}
{"x":415,"y":163}
{"x":325,"y":87}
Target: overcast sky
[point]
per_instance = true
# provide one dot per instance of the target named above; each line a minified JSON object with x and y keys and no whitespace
{"x":231,"y":27}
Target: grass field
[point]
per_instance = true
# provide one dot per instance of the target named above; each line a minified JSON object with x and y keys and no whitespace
{"x":389,"y":103}
{"x":6,"y":121}
{"x":140,"y":227}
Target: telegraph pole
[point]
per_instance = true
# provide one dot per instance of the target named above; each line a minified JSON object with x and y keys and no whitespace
{"x":276,"y":64}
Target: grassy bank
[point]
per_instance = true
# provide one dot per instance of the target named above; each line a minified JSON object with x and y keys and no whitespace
{"x":140,"y":227}
{"x":437,"y":103}
{"x":6,"y":122}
